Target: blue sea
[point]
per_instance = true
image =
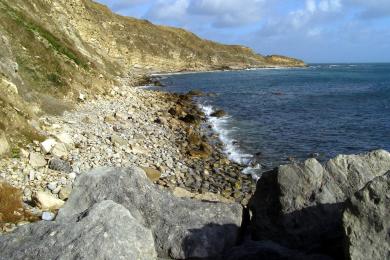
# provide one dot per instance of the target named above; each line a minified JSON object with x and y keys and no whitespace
{"x":278,"y":115}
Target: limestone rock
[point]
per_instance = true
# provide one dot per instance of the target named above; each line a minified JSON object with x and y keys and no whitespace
{"x":48,"y":145}
{"x":4,"y":145}
{"x":65,"y":192}
{"x":37,"y":160}
{"x":109,"y":119}
{"x":301,"y":205}
{"x":105,"y":231}
{"x":182,"y":193}
{"x":153,"y":174}
{"x":117,"y":140}
{"x":60,"y":150}
{"x":121,"y":116}
{"x":46,"y":201}
{"x":182,"y":228}
{"x":208,"y":196}
{"x":48,"y":216}
{"x":367,"y":221}
{"x":66,"y":139}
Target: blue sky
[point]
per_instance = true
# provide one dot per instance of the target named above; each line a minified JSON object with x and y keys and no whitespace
{"x":313,"y":30}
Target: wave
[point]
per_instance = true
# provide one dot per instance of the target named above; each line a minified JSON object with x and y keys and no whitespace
{"x":231,"y":149}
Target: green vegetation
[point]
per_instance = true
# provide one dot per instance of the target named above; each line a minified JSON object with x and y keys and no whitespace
{"x":54,"y":42}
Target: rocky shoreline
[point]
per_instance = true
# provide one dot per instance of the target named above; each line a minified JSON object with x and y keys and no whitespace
{"x":129,"y":127}
{"x":167,"y":191}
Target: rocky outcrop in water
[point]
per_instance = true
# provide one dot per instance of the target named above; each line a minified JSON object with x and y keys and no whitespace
{"x":301,"y":205}
{"x":367,"y":221}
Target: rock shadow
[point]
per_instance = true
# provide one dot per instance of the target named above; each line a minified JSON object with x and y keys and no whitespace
{"x":210,"y":241}
{"x":315,"y":229}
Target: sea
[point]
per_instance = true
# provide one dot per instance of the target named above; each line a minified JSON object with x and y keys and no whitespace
{"x":278,"y":115}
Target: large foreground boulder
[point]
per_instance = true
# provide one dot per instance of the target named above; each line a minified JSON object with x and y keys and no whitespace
{"x":182,"y":228}
{"x":367,"y":221}
{"x":105,"y":231}
{"x":300,"y":205}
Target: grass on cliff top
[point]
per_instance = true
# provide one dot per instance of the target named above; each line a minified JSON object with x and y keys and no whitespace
{"x":54,"y":42}
{"x":11,"y":206}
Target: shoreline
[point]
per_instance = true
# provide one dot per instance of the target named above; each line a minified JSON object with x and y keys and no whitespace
{"x":131,"y":127}
{"x":276,"y":67}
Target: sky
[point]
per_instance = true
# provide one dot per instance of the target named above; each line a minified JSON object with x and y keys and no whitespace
{"x":312,"y":30}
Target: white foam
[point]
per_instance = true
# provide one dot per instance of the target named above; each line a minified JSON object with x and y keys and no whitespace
{"x":220,"y":126}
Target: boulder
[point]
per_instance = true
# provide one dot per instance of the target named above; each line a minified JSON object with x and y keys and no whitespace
{"x":4,"y":145}
{"x":46,"y":201}
{"x":195,"y":92}
{"x":300,"y":205}
{"x":367,"y":221}
{"x":37,"y":160}
{"x":48,"y":145}
{"x":218,"y":114}
{"x":182,"y":228}
{"x":105,"y":231}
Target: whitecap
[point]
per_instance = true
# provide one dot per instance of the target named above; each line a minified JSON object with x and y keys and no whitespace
{"x":221,"y":127}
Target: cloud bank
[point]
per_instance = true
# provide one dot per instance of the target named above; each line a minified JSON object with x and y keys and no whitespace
{"x":315,"y":30}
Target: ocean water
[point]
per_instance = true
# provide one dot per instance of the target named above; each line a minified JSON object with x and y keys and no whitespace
{"x":278,"y":115}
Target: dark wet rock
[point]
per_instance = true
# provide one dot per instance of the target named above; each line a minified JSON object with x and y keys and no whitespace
{"x":195,"y":92}
{"x":218,"y":113}
{"x":91,"y":234}
{"x":301,"y":205}
{"x":182,"y":228}
{"x":190,"y":119}
{"x":367,"y":221}
{"x":57,"y":164}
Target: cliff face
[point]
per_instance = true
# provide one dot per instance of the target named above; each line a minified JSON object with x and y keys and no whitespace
{"x":52,"y":50}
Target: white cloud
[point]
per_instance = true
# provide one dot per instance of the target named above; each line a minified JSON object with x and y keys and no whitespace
{"x":169,"y":10}
{"x":217,"y":13}
{"x":371,"y":9}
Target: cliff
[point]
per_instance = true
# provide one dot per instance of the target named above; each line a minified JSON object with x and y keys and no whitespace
{"x":51,"y":51}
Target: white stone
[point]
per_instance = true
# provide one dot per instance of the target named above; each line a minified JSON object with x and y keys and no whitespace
{"x":24,"y":153}
{"x":4,"y":145}
{"x":66,"y":139}
{"x":60,"y":150}
{"x":82,"y":97}
{"x":52,"y":186}
{"x":57,"y":190}
{"x":37,"y":160}
{"x":48,"y":145}
{"x":46,"y":201}
{"x":72,"y":175}
{"x":31,"y":176}
{"x":48,"y":216}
